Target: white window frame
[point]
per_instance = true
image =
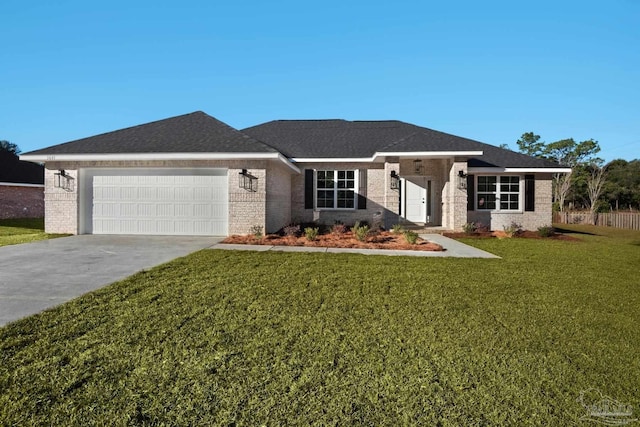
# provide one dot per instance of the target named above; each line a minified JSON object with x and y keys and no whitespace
{"x":498,"y":193}
{"x":336,"y":189}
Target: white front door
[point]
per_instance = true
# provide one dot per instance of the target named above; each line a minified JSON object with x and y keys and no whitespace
{"x":415,"y":202}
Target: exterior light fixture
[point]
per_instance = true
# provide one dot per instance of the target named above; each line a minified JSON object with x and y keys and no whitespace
{"x":62,"y":180}
{"x":462,"y":180}
{"x":394,"y":182}
{"x":248,"y":181}
{"x":417,"y":166}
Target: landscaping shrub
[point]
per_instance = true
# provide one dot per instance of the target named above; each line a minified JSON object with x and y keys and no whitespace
{"x":311,"y":233}
{"x":481,"y":228}
{"x":292,"y":230}
{"x":546,"y":231}
{"x":338,"y":228}
{"x":256,"y":230}
{"x":469,"y":227}
{"x":397,"y":229}
{"x":512,"y":229}
{"x":411,"y":237}
{"x":360,"y":231}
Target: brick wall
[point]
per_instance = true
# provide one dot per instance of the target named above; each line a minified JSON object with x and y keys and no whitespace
{"x":375,"y":212}
{"x":60,"y":205}
{"x":541,"y":216}
{"x":246,"y":208}
{"x":17,"y":201}
{"x":278,"y":203}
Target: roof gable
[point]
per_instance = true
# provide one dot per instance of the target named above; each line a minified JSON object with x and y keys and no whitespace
{"x":196,"y":132}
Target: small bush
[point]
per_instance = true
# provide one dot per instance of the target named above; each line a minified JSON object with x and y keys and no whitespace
{"x":360,"y":231}
{"x":469,"y":227}
{"x":411,"y":237}
{"x":397,"y":229}
{"x":481,"y":228}
{"x":292,"y":230}
{"x":256,"y":230}
{"x":360,"y":224}
{"x":311,"y":233}
{"x":338,"y":228}
{"x":512,"y":229}
{"x":546,"y":231}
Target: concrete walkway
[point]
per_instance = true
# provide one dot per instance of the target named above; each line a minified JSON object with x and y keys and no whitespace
{"x":452,"y":247}
{"x":40,"y":275}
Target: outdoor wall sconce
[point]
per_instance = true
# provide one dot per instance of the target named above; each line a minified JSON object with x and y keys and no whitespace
{"x":62,"y":180}
{"x":462,"y":180}
{"x":417,"y":166}
{"x":395,"y":181}
{"x":248,"y":181}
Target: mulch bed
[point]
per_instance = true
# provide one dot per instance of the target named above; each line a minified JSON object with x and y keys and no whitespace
{"x":381,"y":240}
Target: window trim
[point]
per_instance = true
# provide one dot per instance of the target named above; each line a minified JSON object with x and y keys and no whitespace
{"x":521,"y":193}
{"x":356,"y":183}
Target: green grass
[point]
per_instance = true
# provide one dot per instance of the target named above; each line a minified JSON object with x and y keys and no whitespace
{"x":24,"y":230}
{"x":247,"y":338}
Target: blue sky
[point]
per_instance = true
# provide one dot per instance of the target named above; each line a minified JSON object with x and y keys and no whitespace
{"x":489,"y":70}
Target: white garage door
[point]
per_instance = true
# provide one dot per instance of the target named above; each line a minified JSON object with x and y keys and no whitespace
{"x":160,"y":202}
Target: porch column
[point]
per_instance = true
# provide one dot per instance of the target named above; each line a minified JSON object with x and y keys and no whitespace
{"x":391,"y":197}
{"x":456,"y":198}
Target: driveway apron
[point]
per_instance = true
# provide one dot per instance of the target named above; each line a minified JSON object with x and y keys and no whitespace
{"x":40,"y":275}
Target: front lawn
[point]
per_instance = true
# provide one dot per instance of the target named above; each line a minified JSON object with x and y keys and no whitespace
{"x":248,"y":338}
{"x":24,"y":230}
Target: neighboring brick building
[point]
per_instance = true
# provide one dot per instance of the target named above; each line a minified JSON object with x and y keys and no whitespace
{"x":193,"y":174}
{"x":21,"y":188}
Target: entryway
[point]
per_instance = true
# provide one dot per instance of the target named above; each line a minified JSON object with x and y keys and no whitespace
{"x":417,"y":196}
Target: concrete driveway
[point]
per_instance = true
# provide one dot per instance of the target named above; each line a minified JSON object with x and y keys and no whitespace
{"x":39,"y":275}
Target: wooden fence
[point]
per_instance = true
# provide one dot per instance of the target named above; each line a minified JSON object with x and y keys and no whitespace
{"x":627,"y":220}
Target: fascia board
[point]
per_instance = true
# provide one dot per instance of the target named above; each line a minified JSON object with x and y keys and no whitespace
{"x":20,"y":184}
{"x":518,"y":170}
{"x":331,"y":159}
{"x":156,"y":156}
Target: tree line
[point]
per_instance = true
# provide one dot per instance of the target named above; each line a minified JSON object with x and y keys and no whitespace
{"x":592,"y":184}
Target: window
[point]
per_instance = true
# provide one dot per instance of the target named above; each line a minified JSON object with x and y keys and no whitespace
{"x":336,"y":189}
{"x":498,"y":193}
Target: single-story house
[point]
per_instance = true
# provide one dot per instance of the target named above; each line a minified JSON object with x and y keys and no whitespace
{"x":21,"y":187}
{"x":194,"y":175}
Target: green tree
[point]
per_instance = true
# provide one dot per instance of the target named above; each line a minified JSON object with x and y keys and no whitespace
{"x":9,"y":146}
{"x":622,"y":189}
{"x":566,"y":152}
{"x":529,"y":143}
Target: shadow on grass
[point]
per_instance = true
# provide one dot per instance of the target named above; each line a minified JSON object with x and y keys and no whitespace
{"x":35,"y":223}
{"x":568,"y":231}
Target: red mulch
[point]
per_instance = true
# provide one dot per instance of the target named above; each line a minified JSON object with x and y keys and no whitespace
{"x":501,"y":234}
{"x":381,"y":240}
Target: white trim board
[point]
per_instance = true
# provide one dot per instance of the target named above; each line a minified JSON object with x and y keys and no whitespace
{"x":15,"y":184}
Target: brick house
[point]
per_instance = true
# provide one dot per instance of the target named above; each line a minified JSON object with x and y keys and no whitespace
{"x":21,"y":188}
{"x":194,"y":175}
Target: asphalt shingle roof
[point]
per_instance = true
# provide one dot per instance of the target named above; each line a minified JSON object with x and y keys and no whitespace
{"x":362,"y":139}
{"x":200,"y":133}
{"x":190,"y":133}
{"x":20,"y":172}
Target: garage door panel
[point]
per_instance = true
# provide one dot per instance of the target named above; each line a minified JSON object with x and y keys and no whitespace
{"x":160,"y":204}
